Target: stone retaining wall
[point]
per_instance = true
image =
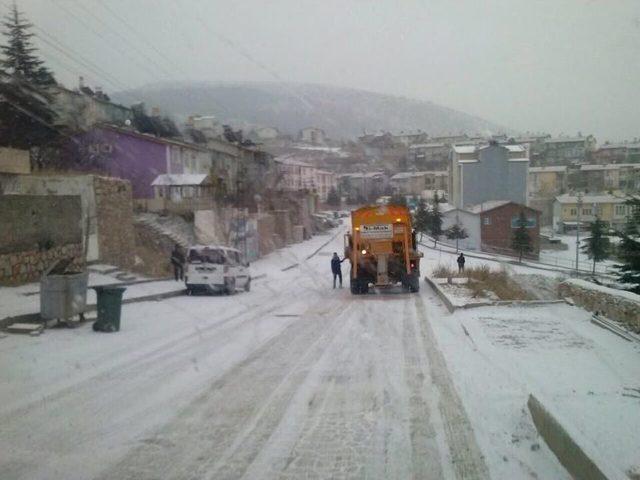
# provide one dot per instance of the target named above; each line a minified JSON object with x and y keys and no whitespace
{"x":28,"y":266}
{"x":114,"y":213}
{"x":614,"y":304}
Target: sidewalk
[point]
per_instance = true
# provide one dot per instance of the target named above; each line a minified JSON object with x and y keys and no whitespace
{"x":22,"y":304}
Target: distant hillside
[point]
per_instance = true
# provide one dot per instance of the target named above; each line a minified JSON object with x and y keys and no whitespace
{"x":341,"y":112}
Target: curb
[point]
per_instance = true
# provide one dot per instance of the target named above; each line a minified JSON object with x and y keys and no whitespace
{"x":568,"y":452}
{"x":35,"y":317}
{"x":447,"y":302}
{"x":492,"y":303}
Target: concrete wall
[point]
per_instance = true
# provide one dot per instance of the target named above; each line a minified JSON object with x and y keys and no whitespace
{"x":114,"y":212}
{"x":35,"y":222}
{"x":467,"y":220}
{"x":568,"y":452}
{"x":266,"y":233}
{"x":14,"y":161}
{"x":37,"y":231}
{"x":106,"y":210}
{"x":54,"y":185}
{"x":614,"y":304}
{"x":283,"y":227}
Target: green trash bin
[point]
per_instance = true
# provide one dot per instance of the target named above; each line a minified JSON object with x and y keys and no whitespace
{"x":109,"y":307}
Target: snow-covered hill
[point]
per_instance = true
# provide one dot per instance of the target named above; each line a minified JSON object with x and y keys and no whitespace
{"x":341,"y":112}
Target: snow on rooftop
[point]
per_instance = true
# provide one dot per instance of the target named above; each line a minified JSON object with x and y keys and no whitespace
{"x":403,"y":175}
{"x":555,"y":168}
{"x":568,"y":198}
{"x":464,"y":148}
{"x":180,"y":179}
{"x":490,"y":205}
{"x":427,"y":145}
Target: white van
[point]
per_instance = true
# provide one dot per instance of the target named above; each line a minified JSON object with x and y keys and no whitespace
{"x":216,"y":269}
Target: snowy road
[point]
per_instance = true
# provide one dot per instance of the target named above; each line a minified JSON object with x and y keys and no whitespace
{"x":291,"y":380}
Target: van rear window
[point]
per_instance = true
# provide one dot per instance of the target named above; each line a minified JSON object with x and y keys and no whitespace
{"x":207,"y":255}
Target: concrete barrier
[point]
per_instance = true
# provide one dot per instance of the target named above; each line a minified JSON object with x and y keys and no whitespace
{"x":443,"y":296}
{"x":568,"y":452}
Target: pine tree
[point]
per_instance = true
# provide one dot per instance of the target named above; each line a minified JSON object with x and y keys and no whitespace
{"x":19,"y":57}
{"x":521,"y":241}
{"x":456,"y":232}
{"x":421,"y":217}
{"x":332,"y":198}
{"x":435,"y":220}
{"x":25,"y":115}
{"x":629,"y":248}
{"x":597,"y":245}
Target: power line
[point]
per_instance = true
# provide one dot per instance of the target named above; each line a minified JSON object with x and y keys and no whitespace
{"x":99,"y":35}
{"x":132,"y":29}
{"x":75,"y":57}
{"x":132,"y":45}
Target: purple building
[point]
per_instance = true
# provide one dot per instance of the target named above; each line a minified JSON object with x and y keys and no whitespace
{"x":136,"y":157}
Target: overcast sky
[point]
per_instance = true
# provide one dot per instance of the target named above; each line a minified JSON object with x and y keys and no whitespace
{"x":560,"y":66}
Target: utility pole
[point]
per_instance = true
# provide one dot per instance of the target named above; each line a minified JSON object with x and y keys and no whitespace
{"x":579,"y":206}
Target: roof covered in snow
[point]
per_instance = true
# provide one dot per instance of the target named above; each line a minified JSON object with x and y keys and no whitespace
{"x":568,"y":198}
{"x":554,"y":168}
{"x":180,"y":179}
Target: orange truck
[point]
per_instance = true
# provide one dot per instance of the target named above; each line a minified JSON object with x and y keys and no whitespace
{"x":382,"y":249}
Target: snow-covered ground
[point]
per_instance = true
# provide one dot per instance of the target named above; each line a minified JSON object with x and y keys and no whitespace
{"x":297,"y":380}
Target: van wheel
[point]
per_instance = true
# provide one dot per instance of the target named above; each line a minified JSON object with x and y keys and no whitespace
{"x":247,"y":286}
{"x":230,"y":288}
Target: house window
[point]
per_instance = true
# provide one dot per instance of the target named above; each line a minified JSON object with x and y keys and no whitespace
{"x":530,"y":222}
{"x":586,"y":211}
{"x":620,"y":210}
{"x":486,"y":220}
{"x":573,"y":212}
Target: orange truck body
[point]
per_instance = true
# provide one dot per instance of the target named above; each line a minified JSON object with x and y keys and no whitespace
{"x":381,"y":248}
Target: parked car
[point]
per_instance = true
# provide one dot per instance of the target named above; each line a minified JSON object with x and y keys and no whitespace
{"x":216,"y":269}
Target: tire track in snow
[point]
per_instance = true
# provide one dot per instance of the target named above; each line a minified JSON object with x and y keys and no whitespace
{"x":228,"y":425}
{"x":468,"y":461}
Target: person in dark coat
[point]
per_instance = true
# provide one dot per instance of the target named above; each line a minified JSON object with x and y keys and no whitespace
{"x":461,"y":261}
{"x":177,"y":260}
{"x":335,"y":268}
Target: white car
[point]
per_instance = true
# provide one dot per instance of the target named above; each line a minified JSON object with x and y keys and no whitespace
{"x":216,"y":269}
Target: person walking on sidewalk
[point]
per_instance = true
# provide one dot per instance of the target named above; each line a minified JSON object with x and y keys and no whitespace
{"x":177,"y":260}
{"x":336,"y":268}
{"x":461,"y":261}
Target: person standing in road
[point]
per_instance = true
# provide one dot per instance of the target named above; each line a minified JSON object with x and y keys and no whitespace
{"x":461,"y":261}
{"x":336,"y":268}
{"x":177,"y":260}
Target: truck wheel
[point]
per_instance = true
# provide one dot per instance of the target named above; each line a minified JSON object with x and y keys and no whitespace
{"x":355,"y":286}
{"x":414,"y":284}
{"x":247,"y":286}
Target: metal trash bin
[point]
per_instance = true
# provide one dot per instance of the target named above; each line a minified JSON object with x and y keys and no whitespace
{"x":109,"y":308}
{"x":63,"y":295}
